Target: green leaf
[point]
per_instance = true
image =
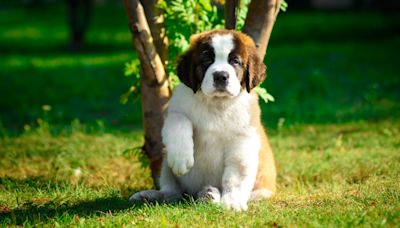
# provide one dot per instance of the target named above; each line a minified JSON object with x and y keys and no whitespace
{"x":125,"y":97}
{"x":131,"y":68}
{"x":262,"y":92}
{"x":284,"y":6}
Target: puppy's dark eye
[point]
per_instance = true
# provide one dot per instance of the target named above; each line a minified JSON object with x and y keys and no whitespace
{"x":207,"y":60}
{"x":235,"y":61}
{"x":205,"y":53}
{"x":207,"y":57}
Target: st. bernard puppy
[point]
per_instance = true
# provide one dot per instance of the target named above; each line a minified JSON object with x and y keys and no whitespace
{"x":216,"y":146}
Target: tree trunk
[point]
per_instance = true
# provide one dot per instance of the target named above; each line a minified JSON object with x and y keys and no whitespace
{"x":230,"y":13}
{"x":78,"y":17}
{"x":259,"y":22}
{"x":154,"y":83}
{"x":155,"y":19}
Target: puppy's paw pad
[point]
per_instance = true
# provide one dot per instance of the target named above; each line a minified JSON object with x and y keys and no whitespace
{"x":209,"y":193}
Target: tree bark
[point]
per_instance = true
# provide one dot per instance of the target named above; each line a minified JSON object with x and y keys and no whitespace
{"x":155,"y":19}
{"x":230,"y":13}
{"x":259,"y":22}
{"x":154,"y":84}
{"x":79,"y":12}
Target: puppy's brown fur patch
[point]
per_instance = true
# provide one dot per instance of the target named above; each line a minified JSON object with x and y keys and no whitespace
{"x":266,"y":174}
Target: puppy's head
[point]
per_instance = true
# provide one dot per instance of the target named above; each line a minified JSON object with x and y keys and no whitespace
{"x":221,"y":63}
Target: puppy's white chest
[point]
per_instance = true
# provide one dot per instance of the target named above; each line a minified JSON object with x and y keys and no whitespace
{"x":221,"y":122}
{"x":213,"y":135}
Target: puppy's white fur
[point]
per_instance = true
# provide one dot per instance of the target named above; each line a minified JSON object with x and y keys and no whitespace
{"x":223,"y":45}
{"x":224,"y":150}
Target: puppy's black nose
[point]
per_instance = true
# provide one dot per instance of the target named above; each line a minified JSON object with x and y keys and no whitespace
{"x":221,"y":78}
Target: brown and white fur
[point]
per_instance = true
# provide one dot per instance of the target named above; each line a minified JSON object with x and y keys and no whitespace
{"x":216,"y":146}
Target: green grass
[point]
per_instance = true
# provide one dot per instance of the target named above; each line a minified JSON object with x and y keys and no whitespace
{"x":334,"y":127}
{"x":337,"y":175}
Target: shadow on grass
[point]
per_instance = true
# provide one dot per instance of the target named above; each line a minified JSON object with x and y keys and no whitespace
{"x":33,"y":213}
{"x":38,"y":210}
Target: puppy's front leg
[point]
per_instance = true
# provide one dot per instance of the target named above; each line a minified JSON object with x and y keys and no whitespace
{"x":177,"y":135}
{"x":241,"y":162}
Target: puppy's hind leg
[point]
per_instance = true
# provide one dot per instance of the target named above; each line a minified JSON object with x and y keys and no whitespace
{"x":261,"y":194}
{"x":147,"y":196}
{"x":153,"y":196}
{"x":170,"y":190}
{"x":209,"y":194}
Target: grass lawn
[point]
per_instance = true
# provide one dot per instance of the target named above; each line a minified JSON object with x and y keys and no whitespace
{"x":334,"y":127}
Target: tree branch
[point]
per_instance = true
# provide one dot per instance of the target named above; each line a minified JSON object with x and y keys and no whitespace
{"x":152,"y":65}
{"x":260,"y":21}
{"x":155,"y":19}
{"x":230,"y":13}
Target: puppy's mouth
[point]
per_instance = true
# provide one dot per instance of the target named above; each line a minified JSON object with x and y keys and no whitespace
{"x":222,"y":92}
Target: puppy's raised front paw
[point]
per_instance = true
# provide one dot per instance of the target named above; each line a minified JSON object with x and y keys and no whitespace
{"x":233,"y":202}
{"x":180,"y":163}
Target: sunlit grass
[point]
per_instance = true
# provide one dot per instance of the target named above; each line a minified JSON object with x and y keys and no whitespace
{"x":342,"y":175}
{"x":25,"y":33}
{"x":63,"y":61}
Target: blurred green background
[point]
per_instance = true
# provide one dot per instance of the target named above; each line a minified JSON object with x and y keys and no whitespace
{"x":323,"y":66}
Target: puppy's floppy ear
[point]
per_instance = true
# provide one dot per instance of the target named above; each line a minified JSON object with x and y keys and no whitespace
{"x":255,"y":70}
{"x":186,"y":71}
